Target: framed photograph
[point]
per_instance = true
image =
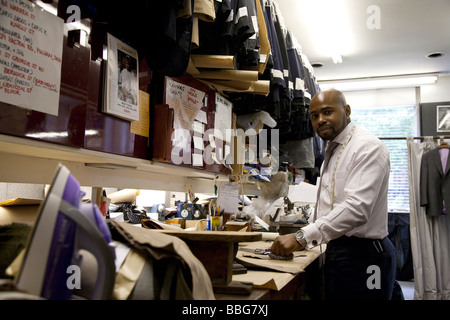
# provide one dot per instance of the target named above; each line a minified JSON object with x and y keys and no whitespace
{"x":121,"y":86}
{"x":443,"y":118}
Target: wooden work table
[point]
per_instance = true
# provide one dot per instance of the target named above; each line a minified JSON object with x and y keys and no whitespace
{"x":216,"y":250}
{"x":276,"y":279}
{"x":292,"y":290}
{"x":265,"y":279}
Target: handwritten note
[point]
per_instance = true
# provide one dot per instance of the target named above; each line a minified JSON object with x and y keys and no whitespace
{"x":186,"y":103}
{"x":228,"y":197}
{"x":30,"y":56}
{"x":222,"y":120}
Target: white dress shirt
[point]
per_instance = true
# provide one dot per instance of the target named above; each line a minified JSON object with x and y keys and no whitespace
{"x":360,"y":194}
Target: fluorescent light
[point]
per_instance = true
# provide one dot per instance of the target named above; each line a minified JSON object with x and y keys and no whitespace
{"x":377,"y":83}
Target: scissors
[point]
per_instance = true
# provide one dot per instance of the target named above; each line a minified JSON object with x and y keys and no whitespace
{"x":256,"y":251}
{"x":268,"y":252}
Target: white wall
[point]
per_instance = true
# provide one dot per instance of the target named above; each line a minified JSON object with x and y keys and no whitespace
{"x":381,"y":97}
{"x":437,"y":92}
{"x":148,"y":198}
{"x":10,"y":191}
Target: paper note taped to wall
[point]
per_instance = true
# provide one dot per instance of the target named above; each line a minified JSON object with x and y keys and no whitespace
{"x":228,"y":197}
{"x":142,"y":126}
{"x":30,"y":56}
{"x":186,"y":102}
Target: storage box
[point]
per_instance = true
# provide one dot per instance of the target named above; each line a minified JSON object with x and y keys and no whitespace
{"x":19,"y":210}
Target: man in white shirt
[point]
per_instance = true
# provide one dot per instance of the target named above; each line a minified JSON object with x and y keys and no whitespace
{"x":351,"y":209}
{"x":129,"y":82}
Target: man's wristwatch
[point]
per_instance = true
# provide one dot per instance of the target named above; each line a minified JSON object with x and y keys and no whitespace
{"x":300,"y":237}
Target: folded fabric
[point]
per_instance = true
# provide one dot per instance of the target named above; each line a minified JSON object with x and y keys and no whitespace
{"x":190,"y":272}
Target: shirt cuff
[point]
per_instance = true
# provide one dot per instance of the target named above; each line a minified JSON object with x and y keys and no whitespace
{"x":312,"y":235}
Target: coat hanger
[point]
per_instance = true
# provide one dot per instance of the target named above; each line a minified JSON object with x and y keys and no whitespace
{"x":443,"y":143}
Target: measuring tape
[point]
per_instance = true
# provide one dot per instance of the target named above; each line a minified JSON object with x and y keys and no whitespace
{"x":333,"y":177}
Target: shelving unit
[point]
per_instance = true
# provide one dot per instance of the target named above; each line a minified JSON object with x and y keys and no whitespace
{"x":30,"y":161}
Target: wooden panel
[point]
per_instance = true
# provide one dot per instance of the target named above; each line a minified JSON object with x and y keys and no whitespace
{"x":210,"y":114}
{"x":108,"y":133}
{"x":80,"y":122}
{"x":68,"y":127}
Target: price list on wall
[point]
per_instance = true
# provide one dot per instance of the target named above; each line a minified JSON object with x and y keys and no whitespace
{"x":30,"y":56}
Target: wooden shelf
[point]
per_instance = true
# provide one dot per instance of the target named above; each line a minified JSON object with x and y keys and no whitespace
{"x":31,"y":161}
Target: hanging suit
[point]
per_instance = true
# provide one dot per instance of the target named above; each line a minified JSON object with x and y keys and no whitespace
{"x":434,"y":183}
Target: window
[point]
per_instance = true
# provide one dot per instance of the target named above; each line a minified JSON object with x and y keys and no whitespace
{"x":385,"y":122}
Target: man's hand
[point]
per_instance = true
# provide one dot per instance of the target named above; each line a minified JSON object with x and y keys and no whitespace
{"x":284,"y":245}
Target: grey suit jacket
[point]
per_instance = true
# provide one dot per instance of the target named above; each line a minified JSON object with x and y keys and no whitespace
{"x":434,"y":183}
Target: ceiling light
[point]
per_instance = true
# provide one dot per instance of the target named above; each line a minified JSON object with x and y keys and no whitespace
{"x":337,"y":58}
{"x":435,"y":55}
{"x":317,"y":64}
{"x":378,"y":82}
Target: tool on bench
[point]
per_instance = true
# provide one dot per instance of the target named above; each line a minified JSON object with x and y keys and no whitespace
{"x":269,"y":253}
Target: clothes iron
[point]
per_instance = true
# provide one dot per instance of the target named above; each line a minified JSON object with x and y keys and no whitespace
{"x":65,"y":225}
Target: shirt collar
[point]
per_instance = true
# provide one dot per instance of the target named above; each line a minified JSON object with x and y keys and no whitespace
{"x":340,"y":138}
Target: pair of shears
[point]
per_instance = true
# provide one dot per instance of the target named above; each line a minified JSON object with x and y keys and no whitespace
{"x":268,"y":253}
{"x":256,"y":251}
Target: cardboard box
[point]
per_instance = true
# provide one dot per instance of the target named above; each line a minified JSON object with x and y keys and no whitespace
{"x":199,"y":224}
{"x":239,"y":225}
{"x":19,"y":210}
